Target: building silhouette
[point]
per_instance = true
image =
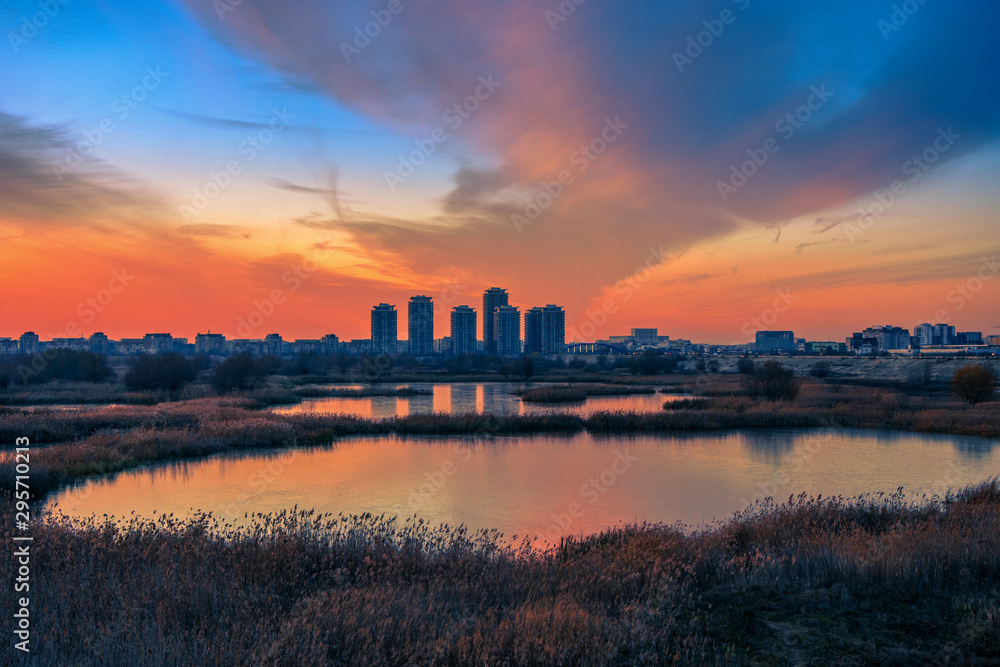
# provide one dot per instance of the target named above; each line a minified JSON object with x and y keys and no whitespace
{"x":420,"y":325}
{"x":544,"y":330}
{"x":209,"y":343}
{"x":274,"y":344}
{"x":507,"y":325}
{"x":926,"y":334}
{"x":383,"y":329}
{"x":493,"y":298}
{"x":99,"y":343}
{"x":28,"y":343}
{"x":769,"y":342}
{"x":463,"y":330}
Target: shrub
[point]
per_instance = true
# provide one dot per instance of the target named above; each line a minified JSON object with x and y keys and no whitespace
{"x":820,"y":369}
{"x":745,"y":366}
{"x":974,"y":383}
{"x":239,"y":373}
{"x":771,"y":381}
{"x":169,"y":371}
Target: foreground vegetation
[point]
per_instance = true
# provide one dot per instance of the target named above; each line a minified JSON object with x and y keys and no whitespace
{"x":831,"y":581}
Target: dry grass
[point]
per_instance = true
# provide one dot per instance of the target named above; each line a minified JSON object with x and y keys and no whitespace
{"x":822,"y":405}
{"x":831,"y":581}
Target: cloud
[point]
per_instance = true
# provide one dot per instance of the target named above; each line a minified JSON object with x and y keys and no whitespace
{"x":218,"y":231}
{"x":44,"y":180}
{"x":885,"y":101}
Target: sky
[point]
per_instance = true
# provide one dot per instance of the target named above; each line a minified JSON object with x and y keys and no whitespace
{"x":706,"y":168}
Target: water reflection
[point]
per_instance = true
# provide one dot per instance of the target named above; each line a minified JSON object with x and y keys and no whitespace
{"x":457,"y":398}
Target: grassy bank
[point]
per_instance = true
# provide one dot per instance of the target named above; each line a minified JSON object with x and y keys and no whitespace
{"x":871,"y":580}
{"x":818,"y":405}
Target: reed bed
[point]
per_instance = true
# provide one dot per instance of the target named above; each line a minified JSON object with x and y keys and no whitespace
{"x":874,"y":579}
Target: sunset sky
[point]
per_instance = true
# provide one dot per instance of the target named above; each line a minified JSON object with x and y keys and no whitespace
{"x":691,"y":166}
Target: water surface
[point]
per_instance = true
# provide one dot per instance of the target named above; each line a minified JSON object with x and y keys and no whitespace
{"x":543,"y":485}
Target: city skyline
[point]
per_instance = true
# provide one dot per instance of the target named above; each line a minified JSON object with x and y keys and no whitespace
{"x":186,"y":193}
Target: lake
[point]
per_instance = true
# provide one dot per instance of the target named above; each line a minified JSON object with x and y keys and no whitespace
{"x":543,"y":485}
{"x":461,"y":397}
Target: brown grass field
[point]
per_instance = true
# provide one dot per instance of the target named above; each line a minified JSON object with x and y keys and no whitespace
{"x":870,"y":580}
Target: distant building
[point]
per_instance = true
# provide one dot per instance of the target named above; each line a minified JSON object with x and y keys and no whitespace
{"x":825,"y":347}
{"x":493,"y":299}
{"x":330,"y":344}
{"x":442,"y":345}
{"x":993,"y":340}
{"x":507,"y":324}
{"x":28,"y":343}
{"x":420,"y":326}
{"x":645,"y":337}
{"x":8,"y":346}
{"x":130,"y":346}
{"x":307,"y":346}
{"x":99,"y":343}
{"x":384,"y":329}
{"x":254,"y":346}
{"x":158,"y":343}
{"x":969,"y":338}
{"x":210,"y":343}
{"x":80,"y":344}
{"x":359,"y":346}
{"x":463,"y":330}
{"x":273,"y":344}
{"x":545,"y":330}
{"x":888,"y":337}
{"x":927,"y":334}
{"x":775,"y":342}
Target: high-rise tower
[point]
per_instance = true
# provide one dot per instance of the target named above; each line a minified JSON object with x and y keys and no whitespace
{"x":420,"y":326}
{"x":493,"y":298}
